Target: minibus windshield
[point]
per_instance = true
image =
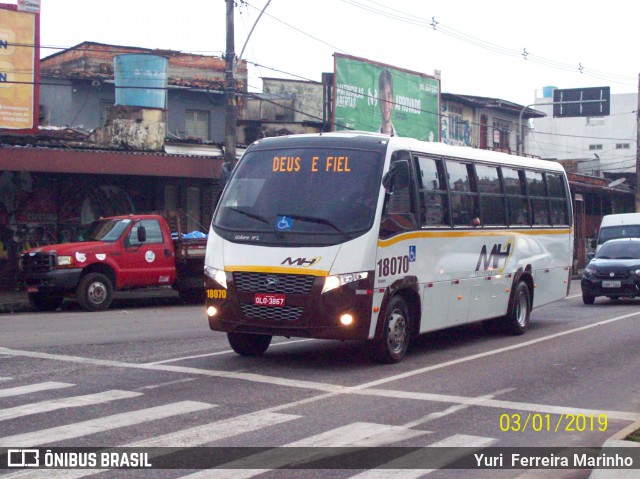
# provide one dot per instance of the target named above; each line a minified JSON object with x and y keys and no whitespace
{"x":302,"y":191}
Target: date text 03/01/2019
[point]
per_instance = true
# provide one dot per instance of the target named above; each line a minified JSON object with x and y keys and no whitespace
{"x":552,"y":422}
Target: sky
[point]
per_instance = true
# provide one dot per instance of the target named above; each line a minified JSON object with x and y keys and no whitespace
{"x":503,"y":49}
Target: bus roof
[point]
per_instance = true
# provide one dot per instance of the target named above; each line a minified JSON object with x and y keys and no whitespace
{"x":398,"y":143}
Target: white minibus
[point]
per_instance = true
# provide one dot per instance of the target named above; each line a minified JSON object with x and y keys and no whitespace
{"x":361,"y":236}
{"x":621,"y":225}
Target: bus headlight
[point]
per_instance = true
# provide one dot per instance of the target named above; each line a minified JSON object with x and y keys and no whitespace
{"x":218,"y":275}
{"x":337,"y":280}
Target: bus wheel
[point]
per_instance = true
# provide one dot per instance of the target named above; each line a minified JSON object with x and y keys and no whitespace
{"x":95,"y":292}
{"x":249,"y":344}
{"x":516,"y":321}
{"x":393,"y":345}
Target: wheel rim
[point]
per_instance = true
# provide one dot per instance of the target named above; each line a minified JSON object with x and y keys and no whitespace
{"x":397,"y":333}
{"x":521,"y":309}
{"x":97,"y":293}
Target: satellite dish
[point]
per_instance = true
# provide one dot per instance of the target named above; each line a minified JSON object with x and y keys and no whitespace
{"x":617,"y":182}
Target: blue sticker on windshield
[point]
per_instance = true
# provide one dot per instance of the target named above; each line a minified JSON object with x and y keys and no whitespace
{"x":284,"y":223}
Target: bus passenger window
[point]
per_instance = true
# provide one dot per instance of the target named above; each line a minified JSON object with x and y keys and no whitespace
{"x":398,"y":215}
{"x":433,"y":192}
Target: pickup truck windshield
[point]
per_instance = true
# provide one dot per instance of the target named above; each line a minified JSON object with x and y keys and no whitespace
{"x":302,"y":192}
{"x":107,"y":230}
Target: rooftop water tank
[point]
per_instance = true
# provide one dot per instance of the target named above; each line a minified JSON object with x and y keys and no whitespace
{"x":141,"y":80}
{"x":547,"y":91}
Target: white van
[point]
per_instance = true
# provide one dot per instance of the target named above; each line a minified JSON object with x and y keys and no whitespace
{"x":624,"y":225}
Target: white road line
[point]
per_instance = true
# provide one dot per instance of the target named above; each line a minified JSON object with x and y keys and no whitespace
{"x":33,"y":388}
{"x":331,"y":390}
{"x":452,"y":409}
{"x":107,"y":423}
{"x":358,"y":434}
{"x":228,"y":351}
{"x":64,"y":403}
{"x":168,"y":383}
{"x":394,"y":469}
{"x":496,"y":403}
{"x":5,"y":379}
{"x":192,"y":437}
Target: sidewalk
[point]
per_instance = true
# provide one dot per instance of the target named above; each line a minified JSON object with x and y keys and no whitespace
{"x":18,"y":302}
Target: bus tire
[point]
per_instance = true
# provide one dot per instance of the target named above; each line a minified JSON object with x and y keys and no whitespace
{"x":95,"y":292}
{"x":516,"y":321}
{"x":43,"y":302}
{"x":393,"y":344}
{"x":249,"y":344}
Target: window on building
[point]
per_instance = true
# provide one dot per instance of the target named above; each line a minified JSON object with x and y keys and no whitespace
{"x":501,"y":130}
{"x":622,"y":146}
{"x":595,"y":147}
{"x":196,"y":124}
{"x":456,"y":123}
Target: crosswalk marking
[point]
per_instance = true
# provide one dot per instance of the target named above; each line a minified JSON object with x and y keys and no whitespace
{"x":107,"y":423}
{"x":33,"y":388}
{"x":359,"y":434}
{"x":55,"y":404}
{"x":391,"y":469}
{"x":192,"y":437}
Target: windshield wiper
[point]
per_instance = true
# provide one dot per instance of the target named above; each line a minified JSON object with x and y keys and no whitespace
{"x":313,"y":219}
{"x":250,"y":215}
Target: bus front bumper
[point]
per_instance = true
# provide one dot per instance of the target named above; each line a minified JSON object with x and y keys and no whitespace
{"x":313,"y":315}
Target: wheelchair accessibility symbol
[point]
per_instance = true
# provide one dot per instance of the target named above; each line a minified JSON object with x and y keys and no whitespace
{"x":412,"y":254}
{"x":284,"y":223}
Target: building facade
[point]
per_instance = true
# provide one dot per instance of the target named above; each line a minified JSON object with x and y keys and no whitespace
{"x":592,"y":145}
{"x":93,"y":158}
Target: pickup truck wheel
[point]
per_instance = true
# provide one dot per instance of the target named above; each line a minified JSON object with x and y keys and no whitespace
{"x":42,"y":302}
{"x":249,"y":344}
{"x":95,"y":292}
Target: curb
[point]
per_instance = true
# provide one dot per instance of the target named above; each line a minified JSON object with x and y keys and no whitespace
{"x":617,"y":440}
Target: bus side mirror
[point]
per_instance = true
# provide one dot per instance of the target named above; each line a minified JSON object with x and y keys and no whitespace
{"x":397,"y":177}
{"x":142,"y":234}
{"x":225,"y":173}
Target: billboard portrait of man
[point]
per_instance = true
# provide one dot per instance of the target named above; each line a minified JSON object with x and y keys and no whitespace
{"x":375,"y":97}
{"x":385,"y":100}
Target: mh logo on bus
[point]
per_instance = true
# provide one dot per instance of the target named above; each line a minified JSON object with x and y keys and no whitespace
{"x":304,"y":262}
{"x":491,"y":261}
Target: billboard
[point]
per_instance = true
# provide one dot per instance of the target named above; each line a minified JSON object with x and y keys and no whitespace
{"x":572,"y":102}
{"x":371,"y":96}
{"x":18,"y":68}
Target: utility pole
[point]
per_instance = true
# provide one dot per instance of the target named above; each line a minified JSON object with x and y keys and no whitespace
{"x":231,"y":116}
{"x":638,"y":150}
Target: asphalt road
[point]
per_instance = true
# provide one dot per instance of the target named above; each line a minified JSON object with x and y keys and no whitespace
{"x":157,"y":376}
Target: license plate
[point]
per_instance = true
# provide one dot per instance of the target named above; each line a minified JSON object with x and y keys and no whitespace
{"x":264,"y":299}
{"x":32,"y":289}
{"x":611,"y":284}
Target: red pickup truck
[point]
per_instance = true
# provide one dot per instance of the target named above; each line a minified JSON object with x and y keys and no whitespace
{"x":118,"y":253}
